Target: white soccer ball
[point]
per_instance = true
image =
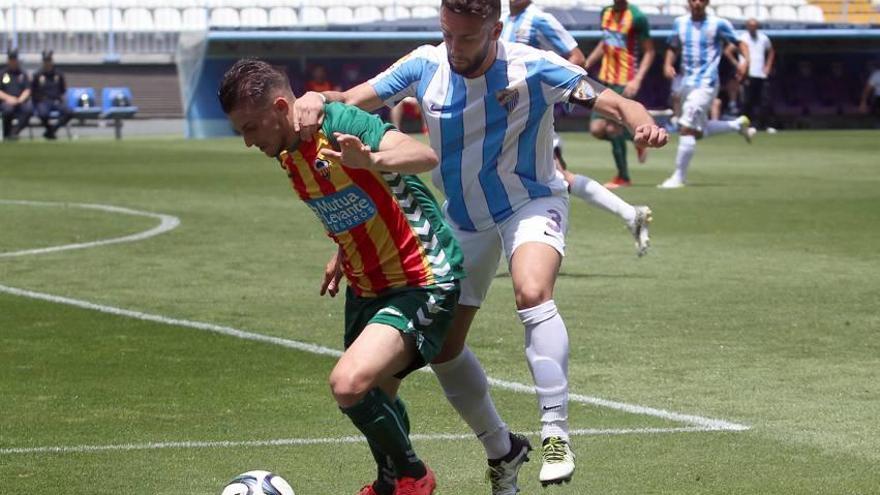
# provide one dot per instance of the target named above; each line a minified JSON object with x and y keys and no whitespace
{"x":257,"y":483}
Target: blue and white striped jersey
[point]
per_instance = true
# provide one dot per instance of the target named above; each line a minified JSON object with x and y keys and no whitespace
{"x":536,"y":28}
{"x":493,"y":133}
{"x":701,"y":44}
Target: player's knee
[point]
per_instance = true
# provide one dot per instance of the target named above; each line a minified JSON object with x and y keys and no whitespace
{"x":597,"y":129}
{"x":349,"y":386}
{"x":530,"y":296}
{"x":452,"y":348}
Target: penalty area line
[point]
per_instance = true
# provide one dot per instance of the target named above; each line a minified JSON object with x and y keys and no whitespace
{"x":293,"y":442}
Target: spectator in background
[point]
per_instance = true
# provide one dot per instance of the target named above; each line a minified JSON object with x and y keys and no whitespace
{"x":15,"y":93}
{"x":761,"y":59}
{"x":319,"y":81}
{"x":48,"y":88}
{"x":870,"y":102}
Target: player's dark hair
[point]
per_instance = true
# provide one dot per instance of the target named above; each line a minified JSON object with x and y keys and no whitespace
{"x":249,"y":81}
{"x":489,"y":10}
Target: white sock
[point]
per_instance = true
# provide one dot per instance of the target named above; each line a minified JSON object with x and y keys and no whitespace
{"x":547,"y":354}
{"x":721,"y":127}
{"x":598,"y":195}
{"x":466,"y":388}
{"x":686,"y":146}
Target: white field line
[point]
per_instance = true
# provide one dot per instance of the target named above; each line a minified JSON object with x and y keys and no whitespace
{"x":703,"y":422}
{"x":166,"y":223}
{"x":285,"y":442}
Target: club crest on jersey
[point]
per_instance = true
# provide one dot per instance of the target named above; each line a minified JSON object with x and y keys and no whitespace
{"x":507,"y":98}
{"x":322,"y":166}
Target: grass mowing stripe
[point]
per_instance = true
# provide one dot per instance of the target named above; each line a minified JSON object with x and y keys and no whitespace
{"x":78,"y":449}
{"x":705,"y":423}
{"x":167,"y":223}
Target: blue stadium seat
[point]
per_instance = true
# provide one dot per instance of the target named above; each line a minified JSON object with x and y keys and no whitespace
{"x":83,"y":103}
{"x":112,"y":106}
{"x":116,"y":105}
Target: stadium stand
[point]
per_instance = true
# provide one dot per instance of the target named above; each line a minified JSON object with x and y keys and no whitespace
{"x":83,"y":24}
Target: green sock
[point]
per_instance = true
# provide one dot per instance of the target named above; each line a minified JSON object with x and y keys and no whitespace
{"x":618,"y":149}
{"x":385,"y":473}
{"x":378,"y":419}
{"x":400,"y":406}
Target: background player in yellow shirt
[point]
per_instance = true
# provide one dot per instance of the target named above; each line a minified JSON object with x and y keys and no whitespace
{"x":625,"y":35}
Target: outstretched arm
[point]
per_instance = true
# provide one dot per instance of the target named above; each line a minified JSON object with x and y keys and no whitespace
{"x":308,"y":110}
{"x":590,"y":94}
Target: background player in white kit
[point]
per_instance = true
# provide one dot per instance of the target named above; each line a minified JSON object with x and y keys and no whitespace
{"x":488,"y":105}
{"x":698,"y":39}
{"x":529,"y":25}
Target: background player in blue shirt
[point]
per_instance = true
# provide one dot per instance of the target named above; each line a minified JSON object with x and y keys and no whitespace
{"x":698,"y":40}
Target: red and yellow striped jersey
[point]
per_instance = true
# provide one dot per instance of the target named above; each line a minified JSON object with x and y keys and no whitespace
{"x":388,"y":225}
{"x":621,"y":33}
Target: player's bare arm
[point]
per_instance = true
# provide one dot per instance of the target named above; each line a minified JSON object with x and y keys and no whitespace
{"x":308,"y":110}
{"x":595,"y":55}
{"x":771,"y":59}
{"x":743,"y":67}
{"x":576,"y":57}
{"x":669,"y":63}
{"x":397,"y":153}
{"x":332,"y":274}
{"x":593,"y":95}
{"x":632,"y":87}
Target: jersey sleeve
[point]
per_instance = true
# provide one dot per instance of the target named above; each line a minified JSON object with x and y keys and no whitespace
{"x":403,"y":77}
{"x":726,"y":31}
{"x":641,"y":25}
{"x":558,"y":77}
{"x":347,"y":119}
{"x":552,"y":36}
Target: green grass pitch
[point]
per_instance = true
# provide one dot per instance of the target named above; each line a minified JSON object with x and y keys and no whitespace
{"x":757,"y":305}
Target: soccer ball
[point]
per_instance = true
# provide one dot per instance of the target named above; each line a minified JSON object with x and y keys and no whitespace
{"x":257,"y":483}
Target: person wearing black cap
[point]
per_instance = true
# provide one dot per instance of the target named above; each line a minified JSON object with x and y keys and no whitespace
{"x":15,"y":93}
{"x":48,"y":90}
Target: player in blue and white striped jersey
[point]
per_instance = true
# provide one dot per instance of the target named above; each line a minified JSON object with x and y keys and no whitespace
{"x":698,"y":40}
{"x":488,"y":105}
{"x":529,"y":25}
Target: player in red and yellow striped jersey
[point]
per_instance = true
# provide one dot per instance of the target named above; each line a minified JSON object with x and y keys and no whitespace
{"x":399,"y":256}
{"x":625,"y":33}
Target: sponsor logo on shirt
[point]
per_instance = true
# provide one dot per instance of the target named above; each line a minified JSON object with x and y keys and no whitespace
{"x":343,"y":210}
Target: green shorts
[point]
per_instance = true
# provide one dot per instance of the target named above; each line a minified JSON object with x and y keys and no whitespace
{"x":617,"y":88}
{"x":425,"y":314}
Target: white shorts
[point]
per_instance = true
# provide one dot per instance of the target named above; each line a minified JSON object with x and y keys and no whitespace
{"x":696,"y":104}
{"x":677,"y":84}
{"x":542,"y":220}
